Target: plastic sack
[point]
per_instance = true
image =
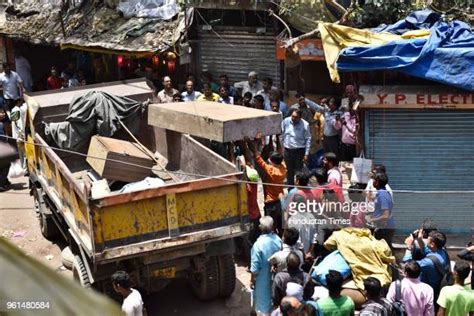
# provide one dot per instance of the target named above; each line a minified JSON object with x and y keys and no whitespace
{"x":147,"y":183}
{"x":16,"y":170}
{"x":334,"y":261}
{"x":152,"y":9}
{"x":252,"y":174}
{"x":360,"y":169}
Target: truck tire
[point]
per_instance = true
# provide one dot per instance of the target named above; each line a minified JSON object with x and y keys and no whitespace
{"x":226,"y":275}
{"x":79,"y":272}
{"x":205,"y":284}
{"x":47,"y":225}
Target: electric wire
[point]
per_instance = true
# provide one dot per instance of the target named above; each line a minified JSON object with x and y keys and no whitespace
{"x":221,"y":177}
{"x":212,"y":29}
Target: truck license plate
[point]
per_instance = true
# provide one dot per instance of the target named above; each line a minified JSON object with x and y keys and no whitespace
{"x":166,"y":273}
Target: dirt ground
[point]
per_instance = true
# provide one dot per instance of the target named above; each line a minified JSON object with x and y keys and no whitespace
{"x":18,"y":224}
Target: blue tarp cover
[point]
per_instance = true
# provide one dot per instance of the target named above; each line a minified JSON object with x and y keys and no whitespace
{"x":447,"y":56}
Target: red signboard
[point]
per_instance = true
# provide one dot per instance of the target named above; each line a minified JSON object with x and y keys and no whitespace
{"x":309,"y":49}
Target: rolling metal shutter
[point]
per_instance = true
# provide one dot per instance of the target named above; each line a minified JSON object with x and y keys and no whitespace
{"x":249,"y":52}
{"x":426,"y":151}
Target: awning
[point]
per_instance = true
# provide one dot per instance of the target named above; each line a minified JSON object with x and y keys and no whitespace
{"x":446,"y":56}
{"x":94,"y":28}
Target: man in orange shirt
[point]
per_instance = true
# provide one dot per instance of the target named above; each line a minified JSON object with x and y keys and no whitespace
{"x":275,"y":173}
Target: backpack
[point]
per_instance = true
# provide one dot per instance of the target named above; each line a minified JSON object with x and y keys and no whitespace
{"x":447,"y":277}
{"x":398,"y":306}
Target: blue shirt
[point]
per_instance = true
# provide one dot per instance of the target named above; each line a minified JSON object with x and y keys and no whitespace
{"x":296,"y":135}
{"x":265,"y":246}
{"x":190,"y":97}
{"x":229,"y":100}
{"x":283,"y":108}
{"x":383,"y":201}
{"x":329,"y":117}
{"x":429,"y":275}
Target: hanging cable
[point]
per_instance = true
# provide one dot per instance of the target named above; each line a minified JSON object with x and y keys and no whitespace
{"x":212,"y":29}
{"x":221,"y":178}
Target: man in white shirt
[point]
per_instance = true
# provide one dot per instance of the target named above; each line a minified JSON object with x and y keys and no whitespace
{"x":166,"y":95}
{"x":370,"y":190}
{"x":331,"y":164}
{"x":267,"y":87}
{"x":12,"y":85}
{"x":190,"y":94}
{"x":23,"y":69}
{"x":252,"y":85}
{"x":132,"y":300}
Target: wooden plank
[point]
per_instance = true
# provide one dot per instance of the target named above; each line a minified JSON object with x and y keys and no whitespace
{"x":215,"y":121}
{"x":415,"y":97}
{"x":102,"y":148}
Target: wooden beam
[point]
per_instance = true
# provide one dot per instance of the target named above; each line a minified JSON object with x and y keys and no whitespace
{"x":215,"y":121}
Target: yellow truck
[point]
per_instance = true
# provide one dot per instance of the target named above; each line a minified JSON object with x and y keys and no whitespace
{"x":182,"y":229}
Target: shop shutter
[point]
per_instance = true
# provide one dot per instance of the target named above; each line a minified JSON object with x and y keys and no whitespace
{"x":249,"y":51}
{"x":430,"y":150}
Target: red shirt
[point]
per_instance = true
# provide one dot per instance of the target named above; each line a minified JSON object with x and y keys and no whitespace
{"x":54,"y":82}
{"x":318,"y":192}
{"x":252,"y":204}
{"x":358,"y":220}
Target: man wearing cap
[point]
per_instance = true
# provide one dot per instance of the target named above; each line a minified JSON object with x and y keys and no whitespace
{"x":252,"y":85}
{"x":261,"y":280}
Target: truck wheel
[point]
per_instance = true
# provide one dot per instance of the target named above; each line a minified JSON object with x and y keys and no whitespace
{"x":79,"y":272}
{"x":226,"y":275}
{"x":205,"y":284}
{"x":47,"y":225}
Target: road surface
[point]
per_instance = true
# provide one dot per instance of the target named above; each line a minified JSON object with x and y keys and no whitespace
{"x":18,"y":223}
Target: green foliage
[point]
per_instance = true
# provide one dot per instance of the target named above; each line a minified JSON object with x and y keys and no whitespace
{"x":375,"y":12}
{"x":372,"y":13}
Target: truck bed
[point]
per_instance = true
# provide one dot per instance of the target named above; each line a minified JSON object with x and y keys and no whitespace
{"x":184,"y":212}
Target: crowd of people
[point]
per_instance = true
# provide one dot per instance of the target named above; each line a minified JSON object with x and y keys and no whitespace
{"x":339,"y":118}
{"x":288,"y":244}
{"x":68,"y":78}
{"x":285,"y":285}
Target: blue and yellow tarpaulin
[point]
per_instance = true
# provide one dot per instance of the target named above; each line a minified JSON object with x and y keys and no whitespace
{"x":428,"y":47}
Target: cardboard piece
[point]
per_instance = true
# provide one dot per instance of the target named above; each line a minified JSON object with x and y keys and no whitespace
{"x":103,"y":150}
{"x":214,"y":121}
